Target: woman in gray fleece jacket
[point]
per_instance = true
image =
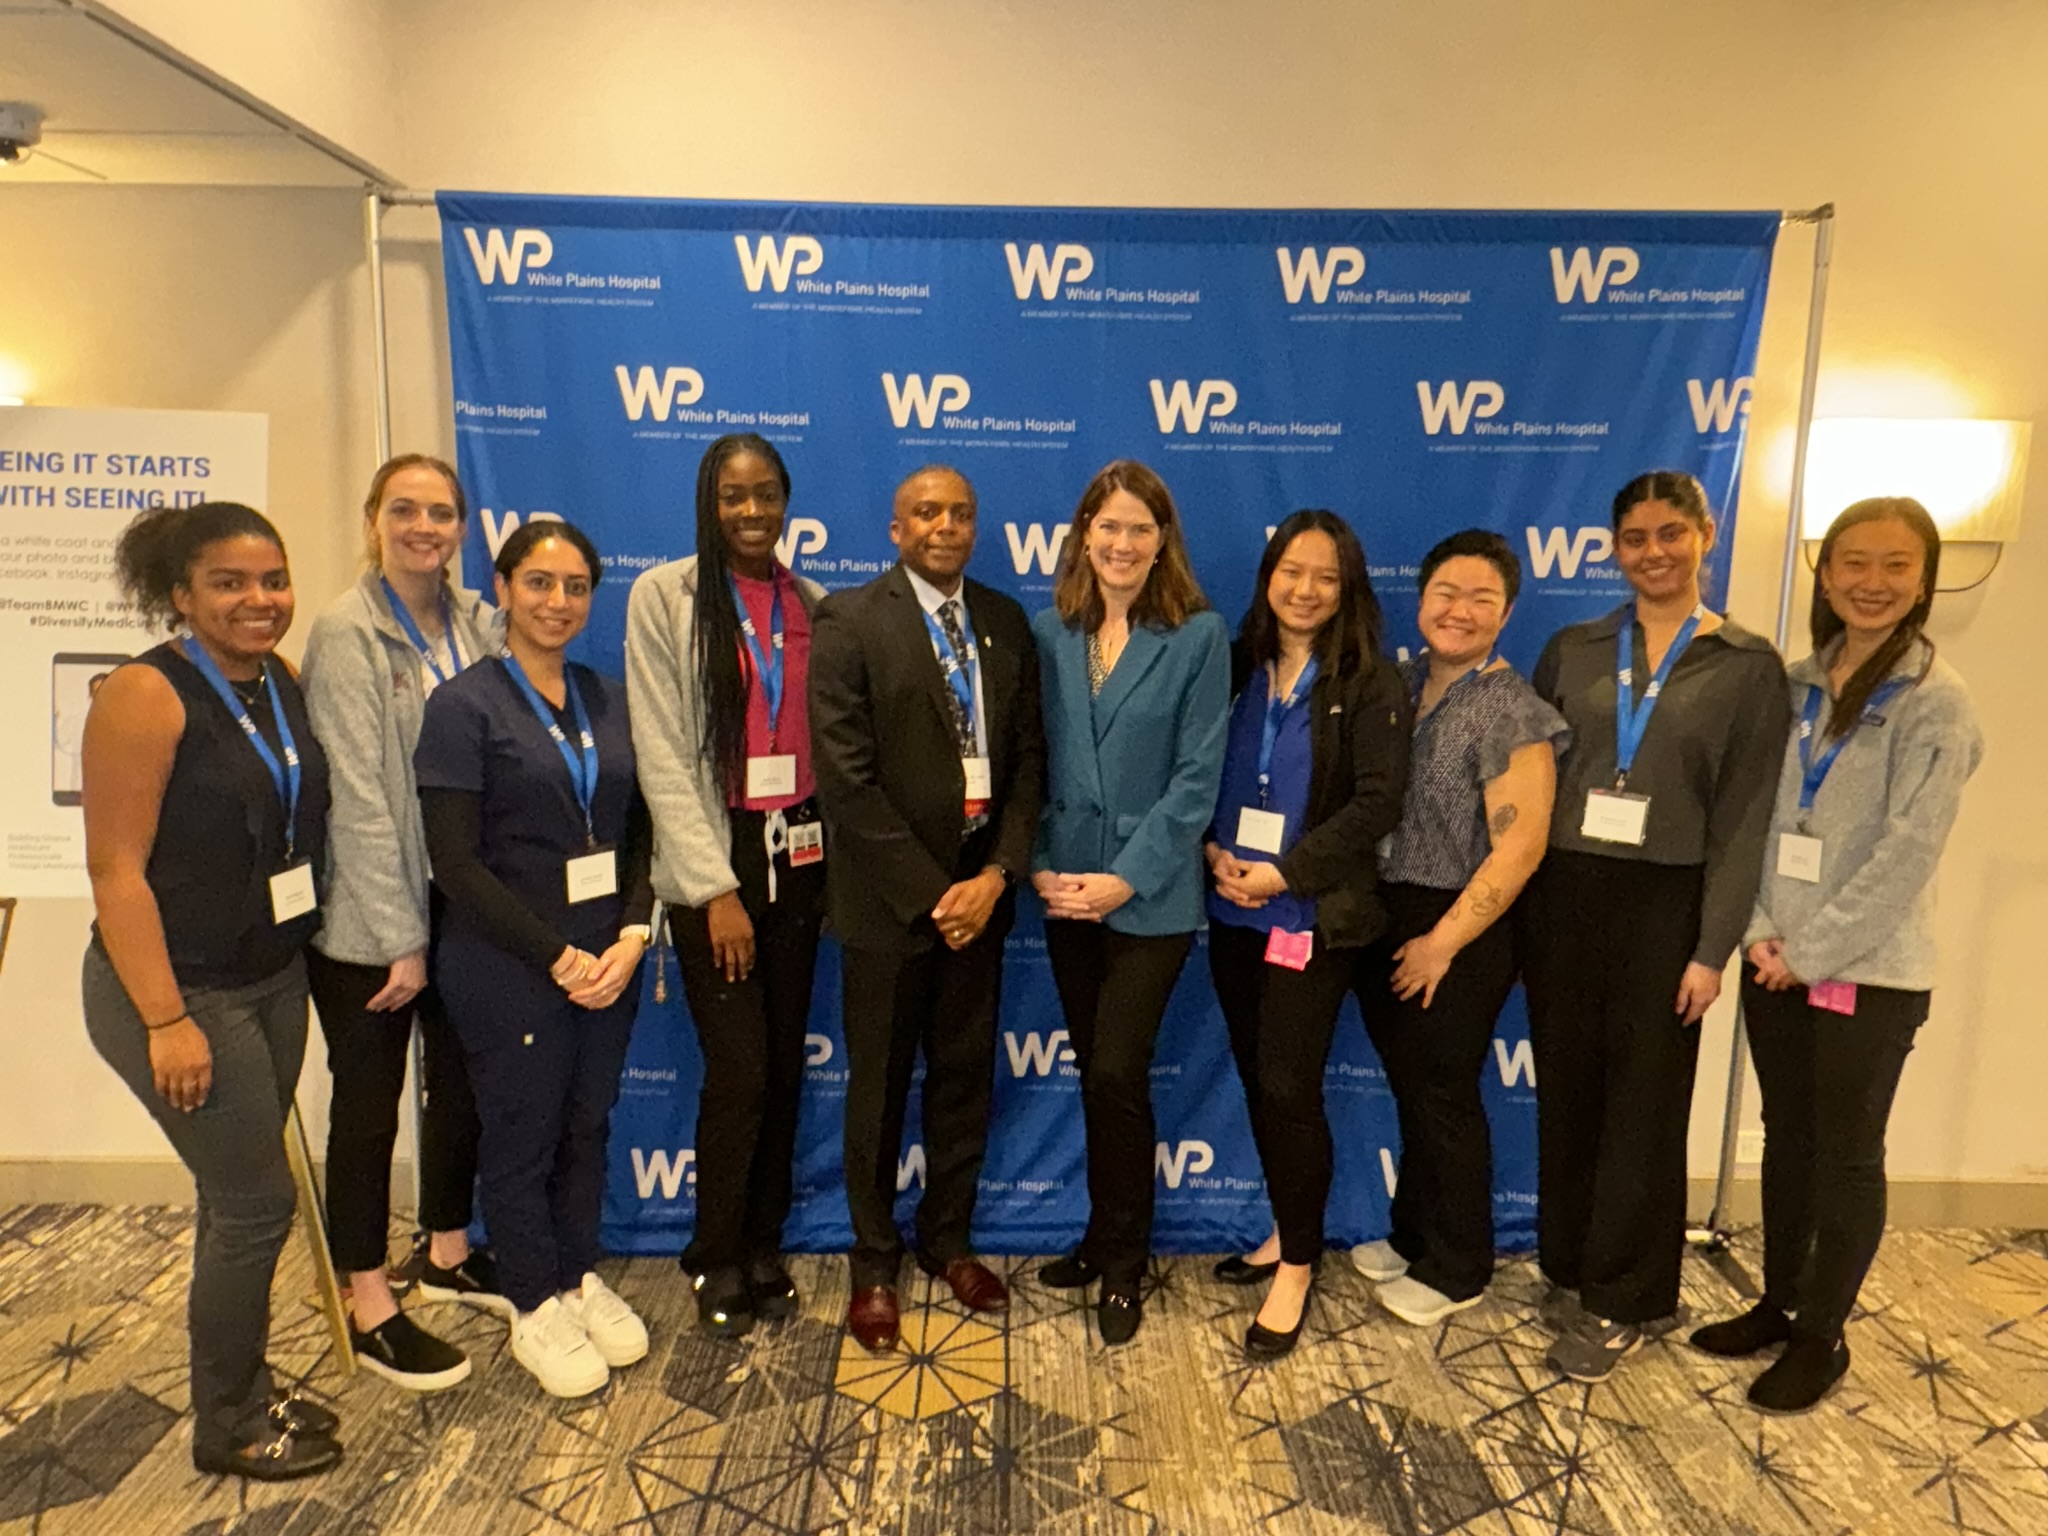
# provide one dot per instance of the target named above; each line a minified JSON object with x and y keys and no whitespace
{"x":1841,"y":948}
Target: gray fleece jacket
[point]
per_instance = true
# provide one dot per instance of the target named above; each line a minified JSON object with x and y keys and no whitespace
{"x":361,"y":679}
{"x":1882,"y":816}
{"x":692,"y":831}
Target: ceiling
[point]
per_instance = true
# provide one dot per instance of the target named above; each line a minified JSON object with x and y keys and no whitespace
{"x":118,"y":111}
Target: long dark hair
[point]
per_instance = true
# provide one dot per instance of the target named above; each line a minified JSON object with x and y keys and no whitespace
{"x":156,"y":551}
{"x":1825,"y":624}
{"x":1350,"y":640}
{"x":1170,"y":596}
{"x":715,"y":626}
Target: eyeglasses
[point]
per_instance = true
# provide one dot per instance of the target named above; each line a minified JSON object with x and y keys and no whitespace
{"x":541,"y":583}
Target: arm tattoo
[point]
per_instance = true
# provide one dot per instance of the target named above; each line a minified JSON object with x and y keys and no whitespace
{"x":1485,"y":897}
{"x":1501,"y":820}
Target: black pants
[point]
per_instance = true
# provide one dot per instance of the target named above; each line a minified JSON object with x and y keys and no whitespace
{"x":1281,"y":1022}
{"x":895,"y":1001}
{"x":1828,"y":1080}
{"x":752,"y":1035}
{"x":546,"y":1074}
{"x":1113,"y":989}
{"x":366,"y":1052}
{"x":1607,"y":943}
{"x":1443,"y":1199}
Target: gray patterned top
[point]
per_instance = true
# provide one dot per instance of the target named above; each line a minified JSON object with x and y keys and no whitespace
{"x":1460,"y":747}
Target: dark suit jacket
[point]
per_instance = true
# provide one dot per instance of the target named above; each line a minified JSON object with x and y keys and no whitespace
{"x":888,"y":763}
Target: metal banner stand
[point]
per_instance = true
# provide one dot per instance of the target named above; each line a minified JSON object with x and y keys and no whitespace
{"x":313,"y":1214}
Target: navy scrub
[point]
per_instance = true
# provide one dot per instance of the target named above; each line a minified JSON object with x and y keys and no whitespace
{"x":502,"y":821}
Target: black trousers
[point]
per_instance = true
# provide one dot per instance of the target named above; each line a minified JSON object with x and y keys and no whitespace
{"x":752,"y":1035}
{"x":895,"y":1001}
{"x":1607,"y":943}
{"x":366,"y":1052}
{"x":1443,"y":1199}
{"x":1281,"y":1022}
{"x":1828,"y":1080}
{"x":1113,"y":989}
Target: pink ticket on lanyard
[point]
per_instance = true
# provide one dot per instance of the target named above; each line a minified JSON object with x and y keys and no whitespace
{"x":1290,"y":949}
{"x":1835,"y":996}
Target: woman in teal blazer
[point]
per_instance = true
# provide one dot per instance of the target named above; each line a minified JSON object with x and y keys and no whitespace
{"x":1136,"y":670}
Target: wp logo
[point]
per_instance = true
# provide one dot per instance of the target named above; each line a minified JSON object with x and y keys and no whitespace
{"x":1033,"y":1054}
{"x":1174,"y":1161}
{"x":817,"y":1048}
{"x":1716,"y":405}
{"x":805,"y":536}
{"x":660,"y":1167}
{"x":500,"y":526}
{"x":1479,"y":398}
{"x":1304,"y":271}
{"x":1615,"y":267}
{"x":1187,"y":406}
{"x":1516,"y":1066}
{"x":925,"y":398}
{"x":1037,"y":546}
{"x":660,"y":391}
{"x":1564,"y":550}
{"x":797,"y":255}
{"x":498,"y":258}
{"x":1033,"y":268}
{"x":910,"y":1167}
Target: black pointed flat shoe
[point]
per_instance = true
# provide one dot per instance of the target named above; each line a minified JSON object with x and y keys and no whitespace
{"x":1239,"y":1270}
{"x":1069,"y":1273}
{"x":1265,"y":1344}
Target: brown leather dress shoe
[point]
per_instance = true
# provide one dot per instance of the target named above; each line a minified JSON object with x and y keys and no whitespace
{"x":873,"y":1318}
{"x":975,"y":1286}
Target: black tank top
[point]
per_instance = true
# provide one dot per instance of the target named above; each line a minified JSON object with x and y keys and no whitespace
{"x":220,"y":833}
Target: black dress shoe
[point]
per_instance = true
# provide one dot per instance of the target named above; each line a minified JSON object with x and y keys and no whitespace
{"x":277,"y":1460}
{"x":1807,"y":1372}
{"x":1068,"y":1274}
{"x":1239,"y":1270}
{"x":1264,"y":1344}
{"x":1737,"y":1338}
{"x":290,"y":1411}
{"x":1119,"y":1312}
{"x":773,"y":1292}
{"x":725,"y":1309}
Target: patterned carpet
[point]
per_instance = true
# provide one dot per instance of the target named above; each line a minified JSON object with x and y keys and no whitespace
{"x":1028,"y":1425}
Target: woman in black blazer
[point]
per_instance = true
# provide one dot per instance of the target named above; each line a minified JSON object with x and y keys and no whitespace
{"x":1314,"y":773}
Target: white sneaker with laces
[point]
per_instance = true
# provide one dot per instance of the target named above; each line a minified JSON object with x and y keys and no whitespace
{"x":1413,"y":1302}
{"x":552,"y":1345}
{"x":1378,"y":1261}
{"x":612,"y":1327}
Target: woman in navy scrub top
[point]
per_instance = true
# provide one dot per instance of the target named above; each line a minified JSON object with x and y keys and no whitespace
{"x":540,"y":842}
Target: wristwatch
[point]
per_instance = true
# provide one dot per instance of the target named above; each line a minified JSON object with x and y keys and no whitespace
{"x":641,"y":931}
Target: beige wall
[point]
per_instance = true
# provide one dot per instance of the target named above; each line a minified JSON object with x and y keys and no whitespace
{"x":1923,"y":123}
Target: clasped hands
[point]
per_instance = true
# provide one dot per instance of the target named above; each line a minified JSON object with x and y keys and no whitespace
{"x":964,"y":910}
{"x":595,"y":981}
{"x":1081,"y":898}
{"x":1241,"y":882}
{"x":1768,"y":956}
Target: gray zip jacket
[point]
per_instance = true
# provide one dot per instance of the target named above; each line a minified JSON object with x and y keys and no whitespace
{"x":692,"y":829}
{"x":1882,"y":816}
{"x":361,"y":679}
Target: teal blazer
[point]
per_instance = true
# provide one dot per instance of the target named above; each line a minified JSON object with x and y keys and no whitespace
{"x":1132,"y":775}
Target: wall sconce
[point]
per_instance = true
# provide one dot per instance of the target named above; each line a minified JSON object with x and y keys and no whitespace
{"x":1970,"y":475}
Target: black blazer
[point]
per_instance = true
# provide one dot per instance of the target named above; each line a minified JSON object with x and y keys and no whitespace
{"x":888,"y":763}
{"x":1360,"y":727}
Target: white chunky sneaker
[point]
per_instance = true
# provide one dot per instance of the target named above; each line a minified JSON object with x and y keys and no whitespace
{"x":551,"y":1344}
{"x":612,"y":1327}
{"x":1378,"y":1261}
{"x":1413,"y":1302}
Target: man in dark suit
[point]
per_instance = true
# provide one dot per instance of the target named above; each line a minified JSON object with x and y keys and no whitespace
{"x":930,"y":758}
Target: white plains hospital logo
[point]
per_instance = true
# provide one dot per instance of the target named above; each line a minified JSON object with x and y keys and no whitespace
{"x":660,"y":390}
{"x":776,"y":261}
{"x":1175,"y":1161}
{"x":924,"y":398}
{"x":1564,"y":551}
{"x":498,"y":258}
{"x":1032,"y":267}
{"x":1587,"y":273}
{"x":1307,"y":272}
{"x":1717,"y":402}
{"x":1185,"y":406}
{"x":1459,"y":406}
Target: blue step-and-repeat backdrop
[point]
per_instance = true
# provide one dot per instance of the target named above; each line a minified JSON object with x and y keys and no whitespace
{"x":1417,"y":372}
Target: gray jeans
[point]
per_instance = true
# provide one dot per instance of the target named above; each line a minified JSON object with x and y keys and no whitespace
{"x":234,"y":1145}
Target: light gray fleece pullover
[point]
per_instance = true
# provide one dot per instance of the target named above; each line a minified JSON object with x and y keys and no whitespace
{"x":361,"y":679}
{"x":692,"y":830}
{"x":1882,"y":816}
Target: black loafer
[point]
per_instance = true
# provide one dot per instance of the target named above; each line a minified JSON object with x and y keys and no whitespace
{"x":725,"y":1310}
{"x":1239,"y":1270}
{"x":290,"y":1411}
{"x":771,"y":1290}
{"x":1265,"y":1344}
{"x":280,"y":1460}
{"x":1749,"y":1333}
{"x":1118,"y":1314}
{"x":1068,"y":1274}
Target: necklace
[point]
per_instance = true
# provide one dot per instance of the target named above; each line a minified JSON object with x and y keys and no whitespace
{"x":251,"y":690}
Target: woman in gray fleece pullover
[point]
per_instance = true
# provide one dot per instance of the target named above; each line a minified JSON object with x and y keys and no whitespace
{"x":1841,"y":947}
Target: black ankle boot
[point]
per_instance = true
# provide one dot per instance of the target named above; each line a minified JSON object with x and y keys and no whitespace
{"x":1737,"y":1338}
{"x":1803,"y":1375}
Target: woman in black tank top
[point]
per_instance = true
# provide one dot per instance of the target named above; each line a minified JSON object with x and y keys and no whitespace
{"x":205,"y":823}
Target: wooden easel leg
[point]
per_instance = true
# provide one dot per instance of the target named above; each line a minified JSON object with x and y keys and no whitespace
{"x":313,"y":1216}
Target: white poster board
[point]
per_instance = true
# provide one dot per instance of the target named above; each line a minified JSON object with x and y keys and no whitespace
{"x":70,"y":481}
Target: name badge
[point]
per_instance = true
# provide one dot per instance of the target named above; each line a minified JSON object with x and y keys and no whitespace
{"x":980,"y":786}
{"x":771,"y":778}
{"x":1290,"y":949}
{"x":1616,"y":816}
{"x":292,"y":894}
{"x":806,"y":844}
{"x":1834,"y":996}
{"x":593,"y":875}
{"x":1798,"y":857}
{"x":1259,"y":830}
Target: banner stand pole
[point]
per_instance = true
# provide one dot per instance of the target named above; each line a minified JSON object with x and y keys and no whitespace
{"x":1713,"y":1237}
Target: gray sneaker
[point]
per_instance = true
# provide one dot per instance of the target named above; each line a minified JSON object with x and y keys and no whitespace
{"x":1591,"y":1351}
{"x":1560,"y":1311}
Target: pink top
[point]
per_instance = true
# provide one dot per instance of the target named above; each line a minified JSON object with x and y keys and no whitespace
{"x":793,"y":732}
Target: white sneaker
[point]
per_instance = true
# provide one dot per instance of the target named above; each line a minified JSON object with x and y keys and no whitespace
{"x":1413,"y":1302}
{"x":612,"y":1326}
{"x":551,"y":1344}
{"x":1378,"y":1261}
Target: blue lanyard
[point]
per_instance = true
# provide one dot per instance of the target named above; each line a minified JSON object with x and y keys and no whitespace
{"x":285,"y":775}
{"x":1630,"y":719}
{"x":582,"y":765}
{"x":766,"y":668}
{"x":1816,"y":770}
{"x":958,"y":677}
{"x":1276,"y":712}
{"x":411,"y":628}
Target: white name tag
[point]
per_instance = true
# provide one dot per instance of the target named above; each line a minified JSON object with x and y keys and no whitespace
{"x":1615,"y":816}
{"x":292,"y":894}
{"x":1260,"y":830}
{"x":979,"y":785}
{"x":1798,"y":857}
{"x":770,"y":778}
{"x":593,"y":875}
{"x":806,"y":844}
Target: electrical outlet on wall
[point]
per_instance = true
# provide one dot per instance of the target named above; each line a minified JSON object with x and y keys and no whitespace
{"x":1749,"y":1147}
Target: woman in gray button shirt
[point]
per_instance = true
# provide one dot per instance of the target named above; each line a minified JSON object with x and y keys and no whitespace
{"x":1678,"y":720}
